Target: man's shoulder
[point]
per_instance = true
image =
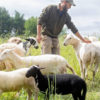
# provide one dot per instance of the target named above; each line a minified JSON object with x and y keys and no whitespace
{"x":51,"y":6}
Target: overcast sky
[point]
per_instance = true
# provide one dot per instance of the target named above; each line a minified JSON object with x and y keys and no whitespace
{"x":85,"y":15}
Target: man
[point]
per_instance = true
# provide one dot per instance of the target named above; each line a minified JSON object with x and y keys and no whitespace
{"x":50,"y":24}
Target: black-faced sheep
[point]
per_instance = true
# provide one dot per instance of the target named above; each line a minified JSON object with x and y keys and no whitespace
{"x":60,"y":84}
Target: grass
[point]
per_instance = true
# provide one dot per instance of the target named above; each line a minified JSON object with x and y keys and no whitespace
{"x":69,"y":54}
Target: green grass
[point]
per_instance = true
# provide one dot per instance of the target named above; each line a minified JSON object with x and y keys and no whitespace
{"x":69,"y":54}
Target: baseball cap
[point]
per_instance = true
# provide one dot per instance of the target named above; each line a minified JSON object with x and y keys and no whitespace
{"x":70,"y":1}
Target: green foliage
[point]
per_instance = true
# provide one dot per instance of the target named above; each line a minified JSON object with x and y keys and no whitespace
{"x":7,"y":23}
{"x":18,"y":24}
{"x":31,"y":26}
{"x":4,"y":21}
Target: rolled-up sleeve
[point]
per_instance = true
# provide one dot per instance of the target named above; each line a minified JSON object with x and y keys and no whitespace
{"x":44,"y":16}
{"x":70,"y":24}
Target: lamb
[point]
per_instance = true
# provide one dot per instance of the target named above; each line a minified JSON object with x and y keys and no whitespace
{"x":53,"y":63}
{"x":16,"y":40}
{"x":15,"y":80}
{"x":87,"y":54}
{"x":61,"y":84}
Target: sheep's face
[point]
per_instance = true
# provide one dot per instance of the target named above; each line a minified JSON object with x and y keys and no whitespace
{"x":5,"y":55}
{"x":33,"y":42}
{"x":16,"y":40}
{"x":69,"y":40}
{"x":33,"y":71}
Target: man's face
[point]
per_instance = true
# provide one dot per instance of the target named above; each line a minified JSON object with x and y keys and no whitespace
{"x":67,"y":5}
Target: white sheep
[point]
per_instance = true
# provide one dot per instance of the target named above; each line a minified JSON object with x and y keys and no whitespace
{"x":53,"y":63}
{"x":21,"y":49}
{"x":16,"y":80}
{"x":7,"y":64}
{"x":18,"y":49}
{"x":87,"y":54}
{"x":91,"y":38}
{"x":16,"y":40}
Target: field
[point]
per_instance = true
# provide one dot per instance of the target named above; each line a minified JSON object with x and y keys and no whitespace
{"x":69,"y":54}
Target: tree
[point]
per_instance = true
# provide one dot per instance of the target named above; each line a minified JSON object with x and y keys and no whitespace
{"x":31,"y":26}
{"x":5,"y":20}
{"x":18,"y":24}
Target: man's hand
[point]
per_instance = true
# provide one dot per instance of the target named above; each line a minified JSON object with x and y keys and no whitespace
{"x":39,"y":38}
{"x":81,"y":38}
{"x":87,"y":41}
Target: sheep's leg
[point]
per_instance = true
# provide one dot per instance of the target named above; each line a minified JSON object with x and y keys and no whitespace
{"x":29,"y":94}
{"x":36,"y":90}
{"x":92,"y":59}
{"x":1,"y":92}
{"x":95,"y":70}
{"x":81,"y":69}
{"x":47,"y":95}
{"x":79,"y":96}
{"x":36,"y":94}
{"x":72,"y":70}
{"x":8,"y":65}
{"x":84,"y":70}
{"x":75,"y":97}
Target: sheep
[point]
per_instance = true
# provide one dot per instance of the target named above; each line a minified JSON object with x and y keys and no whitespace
{"x":53,"y":63}
{"x":16,"y":80}
{"x":23,"y":46}
{"x":59,"y":83}
{"x":87,"y":54}
{"x":21,"y":49}
{"x":7,"y":64}
{"x":33,"y":42}
{"x":16,"y":40}
{"x":91,"y":38}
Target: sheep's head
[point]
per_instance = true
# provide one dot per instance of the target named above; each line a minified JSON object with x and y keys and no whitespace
{"x":33,"y":71}
{"x":70,"y":40}
{"x":16,"y":40}
{"x":33,"y":42}
{"x":5,"y":55}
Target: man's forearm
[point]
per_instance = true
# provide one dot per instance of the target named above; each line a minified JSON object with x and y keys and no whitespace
{"x":79,"y":36}
{"x":38,"y":30}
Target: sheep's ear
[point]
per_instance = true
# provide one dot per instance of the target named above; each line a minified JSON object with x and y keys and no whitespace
{"x":27,"y":39}
{"x":42,"y":68}
{"x":38,"y":65}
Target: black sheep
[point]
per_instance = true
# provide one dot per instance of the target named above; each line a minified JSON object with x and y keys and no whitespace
{"x":60,"y":84}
